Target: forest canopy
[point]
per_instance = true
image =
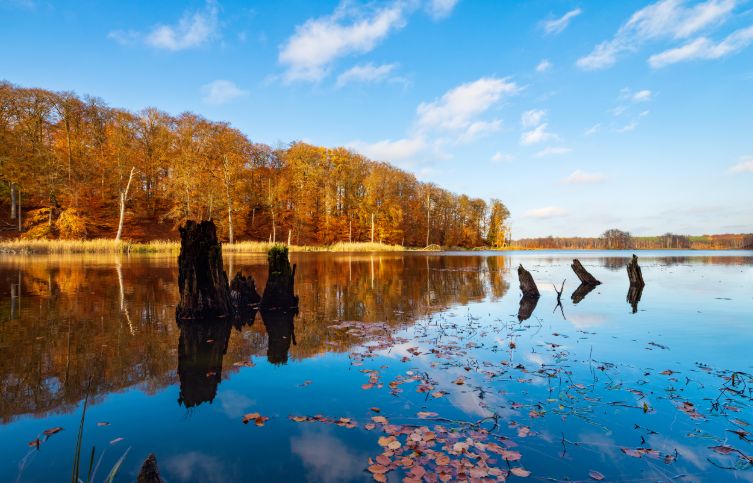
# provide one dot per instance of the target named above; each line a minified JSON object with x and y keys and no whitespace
{"x":72,"y":167}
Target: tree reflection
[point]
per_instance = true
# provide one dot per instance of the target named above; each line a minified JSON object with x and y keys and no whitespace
{"x":280,"y":333}
{"x":201,"y":347}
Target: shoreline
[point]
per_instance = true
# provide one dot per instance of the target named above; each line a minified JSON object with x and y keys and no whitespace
{"x":107,"y":246}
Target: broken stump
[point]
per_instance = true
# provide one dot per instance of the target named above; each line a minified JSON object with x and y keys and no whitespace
{"x":634,"y":273}
{"x":202,"y":281}
{"x":243,"y":292}
{"x":527,"y":285}
{"x":583,"y":274}
{"x":279,"y":291}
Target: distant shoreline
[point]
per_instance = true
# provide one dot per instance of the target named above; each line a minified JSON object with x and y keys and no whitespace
{"x":107,"y":246}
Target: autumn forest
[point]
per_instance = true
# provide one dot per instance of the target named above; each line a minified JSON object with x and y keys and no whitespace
{"x":72,"y":168}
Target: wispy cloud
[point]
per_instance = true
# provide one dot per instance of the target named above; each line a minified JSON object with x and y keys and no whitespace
{"x":628,"y":127}
{"x":552,"y":151}
{"x":439,"y":9}
{"x":500,"y":157}
{"x":704,"y":49}
{"x":593,"y":129}
{"x":672,"y":19}
{"x":459,"y":108}
{"x":366,"y":73}
{"x":533,"y":117}
{"x":537,"y":135}
{"x":308,"y":53}
{"x":221,"y":92}
{"x":642,"y":96}
{"x":744,"y":166}
{"x":556,"y":26}
{"x":194,"y":29}
{"x":543,"y":66}
{"x":389,"y":150}
{"x":583,"y":177}
{"x":546,"y":212}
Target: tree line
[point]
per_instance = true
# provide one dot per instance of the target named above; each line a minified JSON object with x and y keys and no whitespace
{"x":615,"y":239}
{"x":73,"y":167}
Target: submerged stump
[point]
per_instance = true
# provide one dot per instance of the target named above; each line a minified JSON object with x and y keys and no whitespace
{"x":583,"y":275}
{"x":527,"y":285}
{"x":243,"y":293}
{"x":204,"y":290}
{"x":634,"y":273}
{"x":279,"y":291}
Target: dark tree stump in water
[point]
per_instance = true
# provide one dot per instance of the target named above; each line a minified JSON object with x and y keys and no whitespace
{"x":581,"y":292}
{"x":583,"y":275}
{"x":149,"y":472}
{"x":278,"y":292}
{"x":201,"y":347}
{"x":202,"y":281}
{"x":243,"y":292}
{"x":527,"y":285}
{"x":634,"y":273}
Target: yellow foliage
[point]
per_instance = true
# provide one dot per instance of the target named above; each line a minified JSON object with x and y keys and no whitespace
{"x":71,"y":225}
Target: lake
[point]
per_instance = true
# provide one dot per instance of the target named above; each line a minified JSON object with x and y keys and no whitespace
{"x":397,"y":365}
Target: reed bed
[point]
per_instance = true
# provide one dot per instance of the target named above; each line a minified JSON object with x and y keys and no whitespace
{"x":20,"y":246}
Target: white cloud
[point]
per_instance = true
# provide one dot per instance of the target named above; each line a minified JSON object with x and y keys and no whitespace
{"x":642,"y":96}
{"x":704,"y":49}
{"x":479,"y":128}
{"x":439,"y":9}
{"x":628,"y":127}
{"x":221,"y":92}
{"x":537,"y":136}
{"x":744,"y":166}
{"x":388,"y":150}
{"x":593,"y":129}
{"x":546,"y":212}
{"x":552,"y":151}
{"x":458,"y":108}
{"x":583,"y":177}
{"x":194,"y":29}
{"x":308,"y":53}
{"x":500,"y":157}
{"x":558,"y":25}
{"x":532,"y":118}
{"x":544,"y":66}
{"x":663,"y":19}
{"x":368,"y":73}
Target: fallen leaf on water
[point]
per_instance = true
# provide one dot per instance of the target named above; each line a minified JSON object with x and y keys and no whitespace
{"x":103,"y":423}
{"x":426,"y":414}
{"x":379,"y":469}
{"x":51,"y":431}
{"x":257,"y":418}
{"x":438,"y":394}
{"x":595,"y":475}
{"x":35,"y":443}
{"x":668,"y":372}
{"x":459,"y":381}
{"x":376,"y":410}
{"x":518,"y":471}
{"x":116,"y":440}
{"x":379,"y":419}
{"x":298,"y":419}
{"x":721,"y":449}
{"x":304,"y":383}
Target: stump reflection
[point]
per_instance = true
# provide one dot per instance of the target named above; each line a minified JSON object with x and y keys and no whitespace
{"x":280,"y":333}
{"x":201,"y":346}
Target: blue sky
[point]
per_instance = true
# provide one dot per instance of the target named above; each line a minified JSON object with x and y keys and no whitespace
{"x":580,"y":116}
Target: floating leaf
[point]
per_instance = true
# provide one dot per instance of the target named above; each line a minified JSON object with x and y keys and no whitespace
{"x":51,"y":431}
{"x":521,"y":472}
{"x":116,"y":440}
{"x":426,"y":414}
{"x":595,"y":475}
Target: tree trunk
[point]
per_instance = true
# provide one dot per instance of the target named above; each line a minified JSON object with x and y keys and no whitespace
{"x":20,"y":223}
{"x":428,"y":218}
{"x":243,"y":293}
{"x":204,"y":290}
{"x":527,"y":285}
{"x":634,"y":273}
{"x":582,"y":273}
{"x":279,"y":291}
{"x":12,"y":201}
{"x":123,"y":200}
{"x":372,"y":228}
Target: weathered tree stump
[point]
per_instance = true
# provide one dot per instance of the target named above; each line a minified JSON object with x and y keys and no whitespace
{"x":279,"y":291}
{"x":583,"y":275}
{"x":204,"y":290}
{"x":634,"y":296}
{"x":149,"y":472}
{"x":243,"y":292}
{"x":634,"y":273}
{"x":527,"y":285}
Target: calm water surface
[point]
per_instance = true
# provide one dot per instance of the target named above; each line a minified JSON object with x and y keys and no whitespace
{"x":655,"y":391}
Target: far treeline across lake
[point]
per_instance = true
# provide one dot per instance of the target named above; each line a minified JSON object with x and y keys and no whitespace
{"x":73,"y":168}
